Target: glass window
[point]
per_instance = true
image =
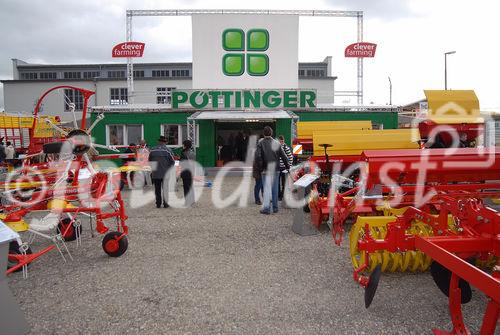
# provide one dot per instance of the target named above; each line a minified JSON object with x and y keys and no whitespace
{"x":134,"y":133}
{"x":72,"y":75}
{"x":29,"y":75}
{"x":118,"y":96}
{"x":91,"y":74}
{"x":115,"y":134}
{"x":177,"y":133}
{"x":75,"y":97}
{"x":139,"y":73}
{"x":124,"y":134}
{"x":48,"y":75}
{"x":171,"y":132}
{"x":164,"y":95}
{"x":160,"y":73}
{"x":116,"y":74}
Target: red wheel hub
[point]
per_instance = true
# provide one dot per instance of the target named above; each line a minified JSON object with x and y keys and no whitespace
{"x":112,"y":245}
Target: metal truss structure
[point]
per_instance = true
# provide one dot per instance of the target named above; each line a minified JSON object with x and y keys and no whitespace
{"x":188,"y":12}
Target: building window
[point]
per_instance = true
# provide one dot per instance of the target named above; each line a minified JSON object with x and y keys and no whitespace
{"x":29,"y":75}
{"x":164,"y":95}
{"x":160,"y":73}
{"x":124,"y":134}
{"x":301,"y":73}
{"x":91,"y":74}
{"x":75,"y":97}
{"x":138,"y":73}
{"x":116,"y":74}
{"x":118,"y":96}
{"x":180,"y":73}
{"x":48,"y":75}
{"x":177,"y":133}
{"x":72,"y":75}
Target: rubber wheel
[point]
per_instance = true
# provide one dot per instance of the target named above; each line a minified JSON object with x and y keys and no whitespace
{"x":14,"y":249}
{"x":113,"y":247}
{"x":442,"y":278}
{"x":68,"y":230}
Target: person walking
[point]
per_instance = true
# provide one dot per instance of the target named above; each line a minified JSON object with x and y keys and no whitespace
{"x":268,"y":154}
{"x":2,"y":151}
{"x":10,"y":152}
{"x":257,"y":175}
{"x":283,"y":175}
{"x":187,"y":167}
{"x":163,"y":159}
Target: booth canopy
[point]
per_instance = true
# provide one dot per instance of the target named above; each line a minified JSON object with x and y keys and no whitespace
{"x":241,"y":115}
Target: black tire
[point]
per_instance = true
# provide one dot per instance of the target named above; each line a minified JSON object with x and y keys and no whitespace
{"x":14,"y":249}
{"x":68,"y":234}
{"x":112,"y":247}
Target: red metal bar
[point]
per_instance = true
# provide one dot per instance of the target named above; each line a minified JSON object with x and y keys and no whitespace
{"x":476,"y":277}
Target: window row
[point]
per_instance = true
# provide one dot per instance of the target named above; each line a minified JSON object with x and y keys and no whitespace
{"x":97,"y":74}
{"x":312,"y":73}
{"x":117,"y":96}
{"x":127,"y":134}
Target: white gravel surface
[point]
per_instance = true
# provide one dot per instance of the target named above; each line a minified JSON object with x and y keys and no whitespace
{"x":232,"y":271}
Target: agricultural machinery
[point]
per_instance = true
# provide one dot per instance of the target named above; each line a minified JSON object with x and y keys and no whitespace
{"x":62,"y":180}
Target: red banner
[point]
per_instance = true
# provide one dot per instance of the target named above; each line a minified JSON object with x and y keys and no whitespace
{"x":360,"y":50}
{"x":128,"y":49}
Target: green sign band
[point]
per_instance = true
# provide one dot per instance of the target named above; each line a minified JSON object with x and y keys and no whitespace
{"x":223,"y":99}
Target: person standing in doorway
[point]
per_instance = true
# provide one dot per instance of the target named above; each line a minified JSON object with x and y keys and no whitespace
{"x":257,"y":175}
{"x":187,"y":167}
{"x":283,"y":175}
{"x":163,"y":161}
{"x":268,"y":154}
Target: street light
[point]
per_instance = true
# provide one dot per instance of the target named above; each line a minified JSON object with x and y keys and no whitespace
{"x":445,"y":69}
{"x":390,"y":91}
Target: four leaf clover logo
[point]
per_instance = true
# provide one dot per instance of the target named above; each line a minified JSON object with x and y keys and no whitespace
{"x":245,"y":53}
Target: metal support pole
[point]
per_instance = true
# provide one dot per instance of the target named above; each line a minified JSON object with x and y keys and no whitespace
{"x":360,"y":60}
{"x":130,"y":65}
{"x":390,"y":91}
{"x":445,"y":73}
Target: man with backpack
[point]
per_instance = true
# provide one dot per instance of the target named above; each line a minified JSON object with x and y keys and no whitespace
{"x":268,"y":155}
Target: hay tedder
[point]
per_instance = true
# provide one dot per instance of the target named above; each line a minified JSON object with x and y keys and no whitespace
{"x":62,"y":181}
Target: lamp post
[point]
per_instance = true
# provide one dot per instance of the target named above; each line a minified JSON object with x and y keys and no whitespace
{"x":390,"y":90}
{"x":445,"y":68}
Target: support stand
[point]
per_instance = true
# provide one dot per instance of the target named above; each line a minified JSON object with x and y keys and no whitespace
{"x":301,"y":221}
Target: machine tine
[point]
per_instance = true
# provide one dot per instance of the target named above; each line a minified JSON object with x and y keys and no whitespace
{"x":108,"y":147}
{"x":99,"y":117}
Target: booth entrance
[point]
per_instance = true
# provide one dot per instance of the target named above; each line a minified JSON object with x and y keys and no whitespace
{"x":233,"y":129}
{"x":231,"y":138}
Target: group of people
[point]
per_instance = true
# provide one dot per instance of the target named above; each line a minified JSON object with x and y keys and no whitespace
{"x":234,"y":148}
{"x":272,"y":162}
{"x":163,"y":171}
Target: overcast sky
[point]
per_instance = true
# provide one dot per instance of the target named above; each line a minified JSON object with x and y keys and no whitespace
{"x":412,"y":36}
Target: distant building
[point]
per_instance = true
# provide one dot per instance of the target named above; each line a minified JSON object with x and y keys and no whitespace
{"x":153,"y":83}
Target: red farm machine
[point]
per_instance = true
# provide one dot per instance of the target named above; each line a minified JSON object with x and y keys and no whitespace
{"x":60,"y":178}
{"x":412,"y":205}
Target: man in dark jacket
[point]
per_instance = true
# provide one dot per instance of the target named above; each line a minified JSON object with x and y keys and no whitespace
{"x":268,"y":154}
{"x":163,"y":159}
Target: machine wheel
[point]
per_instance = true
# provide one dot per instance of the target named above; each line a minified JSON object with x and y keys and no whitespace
{"x":112,"y":246}
{"x":52,"y":148}
{"x":68,"y":230}
{"x":14,"y":249}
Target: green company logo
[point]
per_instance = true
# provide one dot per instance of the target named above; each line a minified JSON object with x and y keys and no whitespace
{"x":249,"y":51}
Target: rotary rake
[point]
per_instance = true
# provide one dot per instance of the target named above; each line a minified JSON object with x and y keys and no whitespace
{"x":418,"y":209}
{"x":65,"y":184}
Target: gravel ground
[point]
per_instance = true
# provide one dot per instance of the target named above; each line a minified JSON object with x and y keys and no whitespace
{"x":231,"y":271}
